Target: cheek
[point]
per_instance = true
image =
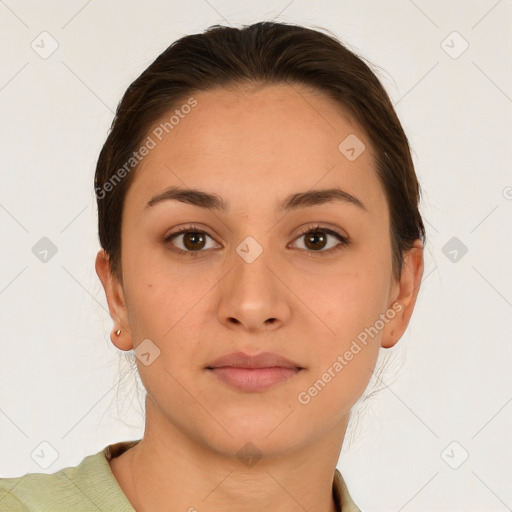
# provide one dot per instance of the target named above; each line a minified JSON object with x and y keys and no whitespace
{"x":169,"y":310}
{"x":159,"y":292}
{"x":345,"y":355}
{"x":349,"y":306}
{"x":332,"y":392}
{"x":349,"y":300}
{"x":162,"y":310}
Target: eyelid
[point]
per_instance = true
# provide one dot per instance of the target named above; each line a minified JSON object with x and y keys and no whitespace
{"x":187,"y":229}
{"x":323,"y":228}
{"x":344,"y":240}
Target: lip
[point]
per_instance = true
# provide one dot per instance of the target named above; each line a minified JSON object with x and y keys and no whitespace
{"x":262,"y":360}
{"x":253,"y":373}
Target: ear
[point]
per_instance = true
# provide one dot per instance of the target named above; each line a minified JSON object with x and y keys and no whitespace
{"x":116,"y":303}
{"x":403,"y":295}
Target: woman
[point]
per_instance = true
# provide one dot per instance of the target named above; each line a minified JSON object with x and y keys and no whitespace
{"x":261,"y":240}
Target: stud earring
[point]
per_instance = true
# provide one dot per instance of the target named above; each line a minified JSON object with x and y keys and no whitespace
{"x":118,"y":332}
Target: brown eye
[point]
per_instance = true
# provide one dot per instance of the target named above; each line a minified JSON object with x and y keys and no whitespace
{"x":193,"y":240}
{"x":190,"y":241}
{"x":318,"y":240}
{"x":315,"y":240}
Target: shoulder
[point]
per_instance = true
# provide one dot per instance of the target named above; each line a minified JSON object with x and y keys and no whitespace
{"x":8,"y":501}
{"x":38,"y":492}
{"x":88,"y":486}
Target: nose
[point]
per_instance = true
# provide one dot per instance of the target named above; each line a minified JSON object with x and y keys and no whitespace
{"x":253,"y":297}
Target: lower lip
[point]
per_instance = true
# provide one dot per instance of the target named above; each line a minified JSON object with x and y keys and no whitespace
{"x":254,"y":379}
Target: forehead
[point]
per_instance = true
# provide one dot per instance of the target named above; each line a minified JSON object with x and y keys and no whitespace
{"x":276,"y":137}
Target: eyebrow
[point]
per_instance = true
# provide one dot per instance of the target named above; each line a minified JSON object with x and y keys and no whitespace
{"x":213,"y":201}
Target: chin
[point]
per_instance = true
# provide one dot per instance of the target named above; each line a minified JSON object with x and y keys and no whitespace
{"x":269,"y":433}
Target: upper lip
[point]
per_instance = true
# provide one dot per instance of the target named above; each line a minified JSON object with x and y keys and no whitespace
{"x":262,"y":360}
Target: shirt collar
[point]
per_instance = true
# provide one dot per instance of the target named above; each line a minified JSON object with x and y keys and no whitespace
{"x":342,"y":498}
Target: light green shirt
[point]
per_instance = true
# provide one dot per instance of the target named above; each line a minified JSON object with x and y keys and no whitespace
{"x":92,"y":487}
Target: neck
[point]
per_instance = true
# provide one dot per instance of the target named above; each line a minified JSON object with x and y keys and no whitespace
{"x":170,"y":468}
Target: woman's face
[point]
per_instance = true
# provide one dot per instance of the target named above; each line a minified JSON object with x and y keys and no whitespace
{"x":255,"y":282}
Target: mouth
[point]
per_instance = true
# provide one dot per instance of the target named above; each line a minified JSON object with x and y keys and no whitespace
{"x":253,"y":379}
{"x":253,"y":373}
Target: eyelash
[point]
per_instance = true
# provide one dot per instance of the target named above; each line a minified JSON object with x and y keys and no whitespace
{"x":344,"y":241}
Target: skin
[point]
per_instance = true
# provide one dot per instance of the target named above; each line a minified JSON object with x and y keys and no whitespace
{"x":253,"y":147}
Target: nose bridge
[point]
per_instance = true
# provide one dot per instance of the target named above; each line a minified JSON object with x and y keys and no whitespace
{"x":252,"y":295}
{"x":251,"y":274}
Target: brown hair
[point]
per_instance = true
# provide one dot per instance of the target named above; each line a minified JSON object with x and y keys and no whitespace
{"x":262,"y":53}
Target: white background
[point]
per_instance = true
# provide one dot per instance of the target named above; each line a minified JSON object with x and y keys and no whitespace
{"x":449,"y":377}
